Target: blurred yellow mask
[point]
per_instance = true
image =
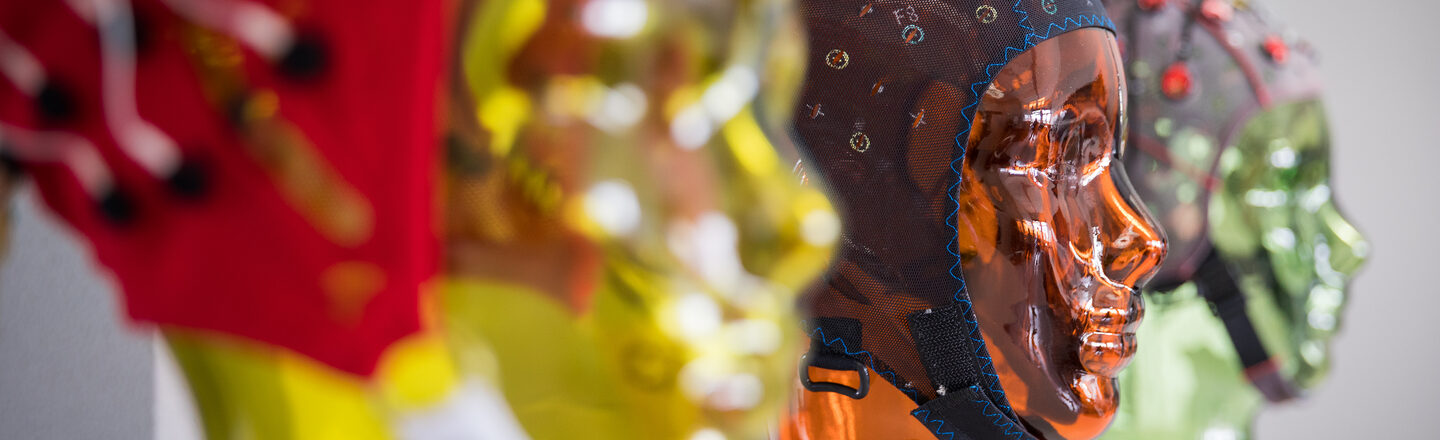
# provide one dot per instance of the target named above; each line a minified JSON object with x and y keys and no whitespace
{"x":624,"y":241}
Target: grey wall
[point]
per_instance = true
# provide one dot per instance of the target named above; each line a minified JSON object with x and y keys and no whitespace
{"x":68,"y":368}
{"x":1382,"y":69}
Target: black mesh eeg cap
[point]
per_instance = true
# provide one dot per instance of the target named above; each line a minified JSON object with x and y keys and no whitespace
{"x":892,"y":170}
{"x":1225,"y":62}
{"x":1200,"y":72}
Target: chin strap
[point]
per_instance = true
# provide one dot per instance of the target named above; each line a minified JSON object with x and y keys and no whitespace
{"x":964,"y":409}
{"x":951,"y":349}
{"x":1219,"y":288}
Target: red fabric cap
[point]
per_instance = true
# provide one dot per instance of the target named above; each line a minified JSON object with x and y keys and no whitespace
{"x":245,"y":258}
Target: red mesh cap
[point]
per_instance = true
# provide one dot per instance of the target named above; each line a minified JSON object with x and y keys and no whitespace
{"x":261,"y":169}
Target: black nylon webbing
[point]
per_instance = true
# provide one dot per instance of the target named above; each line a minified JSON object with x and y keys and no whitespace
{"x":1219,"y":288}
{"x":967,"y":413}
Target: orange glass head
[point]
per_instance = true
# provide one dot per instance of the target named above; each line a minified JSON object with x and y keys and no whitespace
{"x":1052,"y":241}
{"x":1052,"y":246}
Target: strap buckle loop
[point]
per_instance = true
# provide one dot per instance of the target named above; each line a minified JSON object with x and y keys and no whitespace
{"x":835,"y":362}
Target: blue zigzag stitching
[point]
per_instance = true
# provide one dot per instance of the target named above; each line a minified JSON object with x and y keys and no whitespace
{"x":988,"y":411}
{"x":1077,"y":21}
{"x":1024,"y":20}
{"x":889,"y":376}
{"x":996,"y":417}
{"x":1031,"y":38}
{"x":926,"y":421}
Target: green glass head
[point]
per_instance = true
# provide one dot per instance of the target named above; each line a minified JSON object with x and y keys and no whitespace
{"x":1230,"y":148}
{"x":1275,"y":221}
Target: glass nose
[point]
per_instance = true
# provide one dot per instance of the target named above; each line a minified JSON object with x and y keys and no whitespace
{"x":1138,"y":245}
{"x":1348,"y":247}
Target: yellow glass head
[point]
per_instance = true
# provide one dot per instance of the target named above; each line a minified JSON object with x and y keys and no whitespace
{"x":624,"y":241}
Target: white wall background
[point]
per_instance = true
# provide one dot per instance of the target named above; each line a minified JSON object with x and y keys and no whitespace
{"x":70,"y":370}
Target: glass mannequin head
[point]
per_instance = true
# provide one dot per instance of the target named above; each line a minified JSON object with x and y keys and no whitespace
{"x":277,"y":234}
{"x":1274,"y":220}
{"x":1054,"y":245}
{"x":1232,"y":155}
{"x":1049,"y":240}
{"x":1235,"y":157}
{"x":625,"y":243}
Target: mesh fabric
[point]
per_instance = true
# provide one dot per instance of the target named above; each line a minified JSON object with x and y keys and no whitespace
{"x":1237,"y":65}
{"x":1233,"y":150}
{"x":254,"y":182}
{"x":887,"y":104}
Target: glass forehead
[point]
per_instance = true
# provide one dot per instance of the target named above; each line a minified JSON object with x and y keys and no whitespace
{"x":1053,"y":78}
{"x":1052,"y":73}
{"x":1283,"y":148}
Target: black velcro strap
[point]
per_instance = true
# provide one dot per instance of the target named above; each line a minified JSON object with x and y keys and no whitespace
{"x":943,"y":340}
{"x":967,"y":414}
{"x":1219,"y":288}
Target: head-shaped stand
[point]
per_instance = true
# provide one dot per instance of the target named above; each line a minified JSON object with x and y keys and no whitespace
{"x":625,"y":244}
{"x":1233,"y":158}
{"x":990,"y":247}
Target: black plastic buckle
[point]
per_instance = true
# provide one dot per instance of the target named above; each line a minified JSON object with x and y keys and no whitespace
{"x":835,"y":362}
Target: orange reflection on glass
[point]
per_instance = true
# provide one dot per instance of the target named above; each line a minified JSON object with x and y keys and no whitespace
{"x":1056,"y":301}
{"x":884,"y":413}
{"x":1052,"y":247}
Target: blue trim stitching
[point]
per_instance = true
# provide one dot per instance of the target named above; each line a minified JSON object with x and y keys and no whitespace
{"x":925,"y":420}
{"x":1031,"y":39}
{"x":989,"y":411}
{"x":889,"y":376}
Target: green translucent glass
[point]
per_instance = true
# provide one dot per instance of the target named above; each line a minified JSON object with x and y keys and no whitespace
{"x":1186,"y":380}
{"x":1275,"y":223}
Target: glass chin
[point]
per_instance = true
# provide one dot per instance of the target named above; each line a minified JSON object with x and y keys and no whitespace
{"x":1313,"y":360}
{"x":1091,"y":405}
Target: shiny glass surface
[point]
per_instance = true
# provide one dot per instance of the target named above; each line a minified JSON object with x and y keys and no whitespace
{"x":625,"y":243}
{"x":1052,"y":246}
{"x":1275,"y":222}
{"x":1054,"y":286}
